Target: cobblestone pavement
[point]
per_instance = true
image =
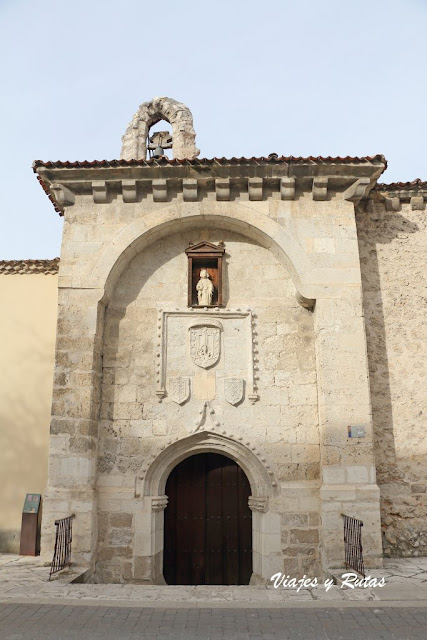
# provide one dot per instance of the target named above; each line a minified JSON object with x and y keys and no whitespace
{"x":64,"y":622}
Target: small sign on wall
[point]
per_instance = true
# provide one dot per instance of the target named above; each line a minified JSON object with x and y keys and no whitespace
{"x":356,"y":431}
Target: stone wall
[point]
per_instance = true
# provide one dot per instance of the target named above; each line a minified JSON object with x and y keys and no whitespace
{"x":283,"y":424}
{"x":392,"y":248}
{"x":123,"y":275}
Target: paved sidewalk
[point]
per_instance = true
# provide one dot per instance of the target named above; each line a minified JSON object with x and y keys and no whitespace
{"x":25,"y":580}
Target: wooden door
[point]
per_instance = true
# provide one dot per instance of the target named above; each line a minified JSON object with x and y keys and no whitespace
{"x":208,"y":524}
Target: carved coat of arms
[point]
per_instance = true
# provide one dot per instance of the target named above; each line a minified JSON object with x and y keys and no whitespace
{"x":179,"y":389}
{"x":233,"y":390}
{"x":205,"y":344}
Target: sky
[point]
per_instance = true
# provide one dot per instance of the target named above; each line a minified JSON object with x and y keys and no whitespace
{"x":306,"y":77}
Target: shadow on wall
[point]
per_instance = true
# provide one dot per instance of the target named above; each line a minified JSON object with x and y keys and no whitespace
{"x":25,"y":401}
{"x":391,"y":277}
{"x":119,"y":311}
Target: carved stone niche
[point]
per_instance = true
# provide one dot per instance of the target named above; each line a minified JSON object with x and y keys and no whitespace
{"x":208,"y":257}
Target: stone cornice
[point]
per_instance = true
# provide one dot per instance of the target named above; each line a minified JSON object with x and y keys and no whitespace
{"x":222,"y":180}
{"x":396,"y":193}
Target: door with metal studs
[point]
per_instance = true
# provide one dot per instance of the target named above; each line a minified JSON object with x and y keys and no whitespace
{"x":208,"y":523}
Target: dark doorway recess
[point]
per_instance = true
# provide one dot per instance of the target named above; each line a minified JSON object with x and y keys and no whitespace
{"x":208,"y":524}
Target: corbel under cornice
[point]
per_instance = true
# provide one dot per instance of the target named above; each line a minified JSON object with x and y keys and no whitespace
{"x":221,"y":182}
{"x":396,"y":194}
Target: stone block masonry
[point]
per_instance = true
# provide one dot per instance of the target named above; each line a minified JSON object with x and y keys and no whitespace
{"x":272,"y":379}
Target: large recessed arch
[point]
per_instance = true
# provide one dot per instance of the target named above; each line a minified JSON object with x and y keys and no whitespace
{"x":140,"y":233}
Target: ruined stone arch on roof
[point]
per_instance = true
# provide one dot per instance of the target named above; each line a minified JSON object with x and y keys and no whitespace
{"x":134,"y":141}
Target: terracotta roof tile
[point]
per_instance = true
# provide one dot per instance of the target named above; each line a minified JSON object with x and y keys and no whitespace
{"x":401,"y":186}
{"x":272,"y":159}
{"x":49,"y":195}
{"x":163,"y":162}
{"x":21,"y":267}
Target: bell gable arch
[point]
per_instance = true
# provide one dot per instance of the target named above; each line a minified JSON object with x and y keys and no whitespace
{"x":134,"y":141}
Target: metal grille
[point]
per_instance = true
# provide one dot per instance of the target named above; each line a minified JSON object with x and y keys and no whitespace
{"x":353,"y":544}
{"x":62,"y":552}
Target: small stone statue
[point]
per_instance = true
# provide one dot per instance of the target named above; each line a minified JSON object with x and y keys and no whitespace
{"x":205,"y":289}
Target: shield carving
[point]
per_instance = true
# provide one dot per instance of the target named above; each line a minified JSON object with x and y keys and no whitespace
{"x":179,"y":389}
{"x":233,"y":390}
{"x":205,"y":345}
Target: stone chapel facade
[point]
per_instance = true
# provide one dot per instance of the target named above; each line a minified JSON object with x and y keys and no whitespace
{"x":221,"y":333}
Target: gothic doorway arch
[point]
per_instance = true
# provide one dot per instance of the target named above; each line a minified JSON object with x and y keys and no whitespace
{"x":150,"y":487}
{"x":208,"y":523}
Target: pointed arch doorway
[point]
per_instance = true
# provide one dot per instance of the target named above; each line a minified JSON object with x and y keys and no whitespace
{"x":208,"y":523}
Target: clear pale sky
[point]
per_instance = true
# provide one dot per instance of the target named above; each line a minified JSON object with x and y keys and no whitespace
{"x":308,"y":77}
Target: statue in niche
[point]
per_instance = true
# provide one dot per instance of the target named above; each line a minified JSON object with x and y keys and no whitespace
{"x":205,"y":289}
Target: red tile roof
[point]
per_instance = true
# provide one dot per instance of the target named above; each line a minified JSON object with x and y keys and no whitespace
{"x":13,"y":267}
{"x":272,"y":159}
{"x":401,"y":186}
{"x":49,"y":195}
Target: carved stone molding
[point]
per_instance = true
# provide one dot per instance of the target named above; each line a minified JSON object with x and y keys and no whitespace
{"x":260,"y":178}
{"x":190,"y":190}
{"x":396,"y":193}
{"x":255,"y":188}
{"x":206,"y":317}
{"x":207,"y":420}
{"x":357,"y":190}
{"x":307,"y":303}
{"x":63,"y":195}
{"x":159,"y":503}
{"x":287,"y":188}
{"x":99,"y":191}
{"x":258,"y":504}
{"x":320,"y":188}
{"x":160,"y":190}
{"x":245,"y":453}
{"x":129,"y":190}
{"x":417,"y":203}
{"x":195,"y":189}
{"x":222,"y":188}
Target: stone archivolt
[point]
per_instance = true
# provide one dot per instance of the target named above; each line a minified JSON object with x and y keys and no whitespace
{"x":151,"y":479}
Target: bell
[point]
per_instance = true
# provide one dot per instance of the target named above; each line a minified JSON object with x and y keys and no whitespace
{"x":158,"y":152}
